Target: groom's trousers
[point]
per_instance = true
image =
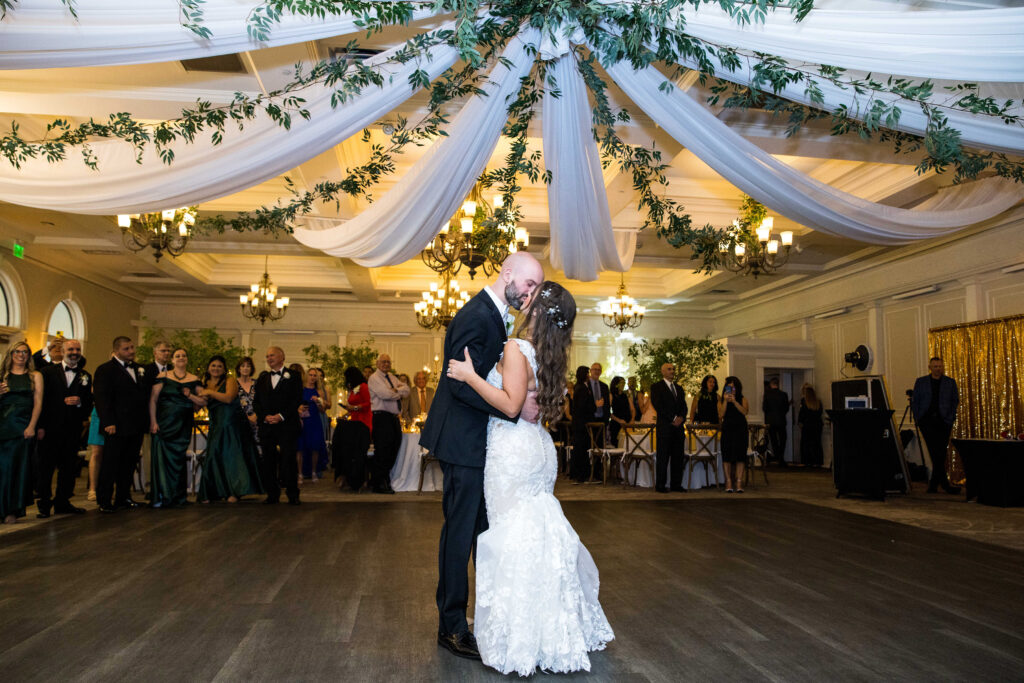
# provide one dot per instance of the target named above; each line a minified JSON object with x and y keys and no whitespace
{"x":465,"y":516}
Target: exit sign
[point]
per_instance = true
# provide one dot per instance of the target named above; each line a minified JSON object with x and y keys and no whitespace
{"x":19,"y":251}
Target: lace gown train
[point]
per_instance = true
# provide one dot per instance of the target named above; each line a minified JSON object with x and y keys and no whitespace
{"x":536,"y":584}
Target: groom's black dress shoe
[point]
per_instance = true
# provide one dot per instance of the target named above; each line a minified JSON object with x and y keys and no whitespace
{"x":459,"y":644}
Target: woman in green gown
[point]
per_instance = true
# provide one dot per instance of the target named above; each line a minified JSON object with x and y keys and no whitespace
{"x":230,"y":469}
{"x":171,"y":406}
{"x":21,"y":399}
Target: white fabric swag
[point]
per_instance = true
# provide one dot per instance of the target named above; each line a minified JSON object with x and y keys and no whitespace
{"x":796,"y":195}
{"x":202,"y":171}
{"x":402,"y":222}
{"x":976,"y":45}
{"x":42,"y":34}
{"x":582,"y":241}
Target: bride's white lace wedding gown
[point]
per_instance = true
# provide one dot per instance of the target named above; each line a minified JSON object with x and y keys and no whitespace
{"x":536,"y":584}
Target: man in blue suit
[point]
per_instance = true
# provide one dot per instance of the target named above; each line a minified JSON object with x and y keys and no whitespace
{"x":934,"y":403}
{"x":455,"y":432}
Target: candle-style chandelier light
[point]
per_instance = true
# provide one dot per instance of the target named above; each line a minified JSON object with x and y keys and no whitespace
{"x":262,"y":302}
{"x":166,"y":231}
{"x":475,"y":238}
{"x":622,"y":311}
{"x":754,"y":257}
{"x":441,"y":303}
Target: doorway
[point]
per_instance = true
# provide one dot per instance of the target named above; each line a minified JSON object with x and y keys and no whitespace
{"x":791,"y":381}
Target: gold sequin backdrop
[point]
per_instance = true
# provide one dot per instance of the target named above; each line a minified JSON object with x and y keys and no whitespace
{"x":986,"y":359}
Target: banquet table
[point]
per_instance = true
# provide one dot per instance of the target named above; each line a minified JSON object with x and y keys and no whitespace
{"x":697,"y":479}
{"x":994,"y":470}
{"x":405,"y":475}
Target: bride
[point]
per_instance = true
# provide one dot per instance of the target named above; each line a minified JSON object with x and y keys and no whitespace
{"x":536,"y":584}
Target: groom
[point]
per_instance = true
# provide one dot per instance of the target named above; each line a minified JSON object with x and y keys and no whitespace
{"x":455,"y":432}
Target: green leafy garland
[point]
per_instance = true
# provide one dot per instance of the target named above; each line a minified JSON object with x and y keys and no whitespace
{"x":643,"y":32}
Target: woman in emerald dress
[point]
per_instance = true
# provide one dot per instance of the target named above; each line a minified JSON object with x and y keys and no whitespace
{"x":21,"y":399}
{"x":171,"y":406}
{"x":230,"y":469}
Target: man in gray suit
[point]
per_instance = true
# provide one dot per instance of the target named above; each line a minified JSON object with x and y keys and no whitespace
{"x":934,"y":403}
{"x":420,"y":397}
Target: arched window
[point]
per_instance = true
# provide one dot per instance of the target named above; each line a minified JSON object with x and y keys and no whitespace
{"x":62,"y":322}
{"x":5,"y":315}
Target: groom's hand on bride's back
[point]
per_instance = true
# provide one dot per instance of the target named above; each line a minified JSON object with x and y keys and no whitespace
{"x":530,"y":411}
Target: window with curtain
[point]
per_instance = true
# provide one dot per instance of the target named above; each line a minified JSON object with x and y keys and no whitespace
{"x":62,"y":323}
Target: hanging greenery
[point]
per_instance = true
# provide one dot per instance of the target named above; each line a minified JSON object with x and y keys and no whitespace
{"x":640,"y":32}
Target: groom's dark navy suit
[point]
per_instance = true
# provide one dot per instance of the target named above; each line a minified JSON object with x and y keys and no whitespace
{"x":455,"y":432}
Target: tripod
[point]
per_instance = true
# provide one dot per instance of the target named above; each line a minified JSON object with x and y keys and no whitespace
{"x":922,"y":447}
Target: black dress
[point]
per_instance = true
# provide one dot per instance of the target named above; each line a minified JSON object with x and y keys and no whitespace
{"x":620,"y":409}
{"x":707,"y":409}
{"x":734,"y":435}
{"x":810,"y":435}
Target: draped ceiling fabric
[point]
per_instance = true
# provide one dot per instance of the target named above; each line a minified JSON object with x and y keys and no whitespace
{"x":796,"y":195}
{"x":202,"y":172}
{"x":42,"y":34}
{"x":973,"y":44}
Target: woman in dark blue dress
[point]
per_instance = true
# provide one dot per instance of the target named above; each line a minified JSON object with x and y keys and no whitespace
{"x":172,"y":406}
{"x":230,"y":469}
{"x":312,"y":447}
{"x":21,"y":400}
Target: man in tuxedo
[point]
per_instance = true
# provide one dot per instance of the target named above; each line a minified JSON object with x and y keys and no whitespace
{"x":122,"y":404}
{"x":420,"y":397}
{"x":602,"y":407}
{"x":161,"y":362}
{"x":277,"y":401}
{"x":456,"y":434}
{"x":934,"y":402}
{"x":669,"y":400}
{"x":386,"y":394}
{"x":67,"y":403}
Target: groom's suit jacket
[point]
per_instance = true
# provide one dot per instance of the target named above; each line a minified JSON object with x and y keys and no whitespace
{"x":456,"y":427}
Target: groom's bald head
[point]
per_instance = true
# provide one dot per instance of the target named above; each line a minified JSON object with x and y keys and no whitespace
{"x":520,"y":275}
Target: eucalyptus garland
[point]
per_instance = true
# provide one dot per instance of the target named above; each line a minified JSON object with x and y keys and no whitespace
{"x":642,"y":32}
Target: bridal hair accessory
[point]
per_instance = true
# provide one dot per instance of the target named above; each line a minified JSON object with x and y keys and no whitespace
{"x":554,"y":312}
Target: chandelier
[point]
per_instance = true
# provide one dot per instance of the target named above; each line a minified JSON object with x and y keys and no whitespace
{"x":262,"y":302}
{"x":167,"y":231}
{"x":440,"y":304}
{"x":754,"y":257}
{"x":621,"y":310}
{"x":475,"y":238}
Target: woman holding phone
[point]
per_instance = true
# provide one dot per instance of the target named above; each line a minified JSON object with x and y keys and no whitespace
{"x":732,"y":410}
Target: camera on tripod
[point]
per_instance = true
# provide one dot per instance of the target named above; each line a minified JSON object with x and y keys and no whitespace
{"x":910,"y":393}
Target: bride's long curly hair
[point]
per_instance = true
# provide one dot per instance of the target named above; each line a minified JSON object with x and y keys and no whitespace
{"x":548,"y":325}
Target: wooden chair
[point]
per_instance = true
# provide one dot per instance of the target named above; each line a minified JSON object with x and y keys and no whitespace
{"x":639,"y":447}
{"x":563,"y":444}
{"x":599,"y":452}
{"x":757,"y":454}
{"x":704,"y":440}
{"x":425,"y":460}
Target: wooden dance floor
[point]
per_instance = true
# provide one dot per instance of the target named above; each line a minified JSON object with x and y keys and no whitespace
{"x":729,"y":589}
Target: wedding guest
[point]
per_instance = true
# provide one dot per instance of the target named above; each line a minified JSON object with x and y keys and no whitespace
{"x":21,"y":401}
{"x":245,"y":371}
{"x":325,"y":411}
{"x":622,"y":409}
{"x":278,"y":397}
{"x":420,"y":398}
{"x":934,"y":403}
{"x":121,"y":404}
{"x":634,"y":394}
{"x":67,"y":402}
{"x":386,"y":393}
{"x":583,"y":409}
{"x":351,"y":439}
{"x":732,"y":412}
{"x":161,"y":363}
{"x":403,"y":405}
{"x":704,"y":410}
{"x":95,"y":443}
{"x":367,"y":371}
{"x":231,"y":469}
{"x":775,"y":406}
{"x":54,"y":354}
{"x":810,"y":420}
{"x":669,"y":399}
{"x":602,"y":398}
{"x":173,"y":401}
{"x":311,"y":447}
{"x":648,"y":415}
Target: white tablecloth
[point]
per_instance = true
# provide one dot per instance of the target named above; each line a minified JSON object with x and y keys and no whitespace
{"x":701,"y":476}
{"x":405,"y":475}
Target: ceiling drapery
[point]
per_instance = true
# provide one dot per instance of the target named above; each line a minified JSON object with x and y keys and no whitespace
{"x":583,"y":243}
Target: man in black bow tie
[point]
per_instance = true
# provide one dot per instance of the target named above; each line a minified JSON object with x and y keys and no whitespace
{"x":67,"y":402}
{"x":122,"y":404}
{"x":277,"y":401}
